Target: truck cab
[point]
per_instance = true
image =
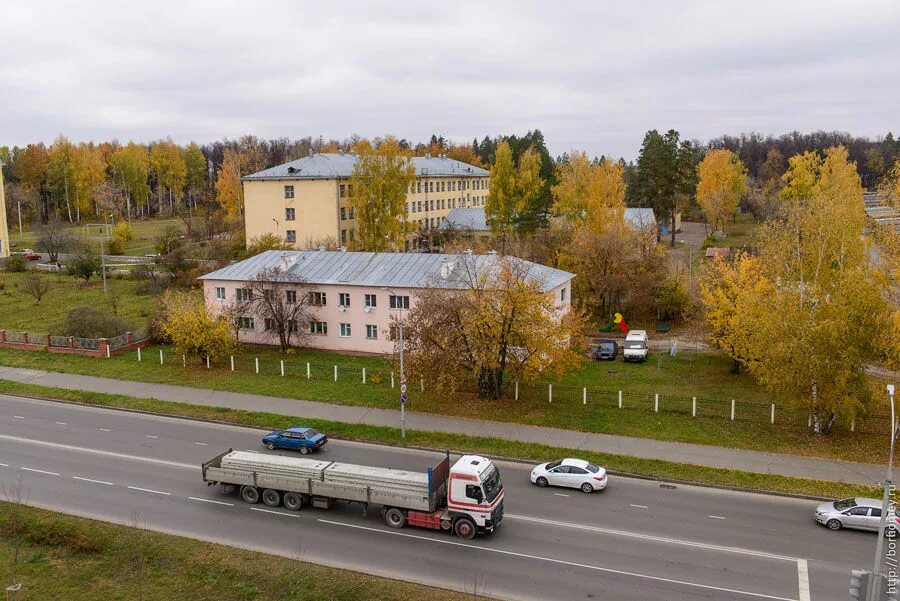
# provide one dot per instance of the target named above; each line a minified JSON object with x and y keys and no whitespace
{"x":474,"y":496}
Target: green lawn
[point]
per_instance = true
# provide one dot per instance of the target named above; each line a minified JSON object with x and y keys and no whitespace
{"x":675,"y":379}
{"x":145,"y":233}
{"x":66,"y":558}
{"x":18,"y":311}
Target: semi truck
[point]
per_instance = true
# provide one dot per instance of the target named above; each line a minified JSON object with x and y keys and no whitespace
{"x":465,"y":498}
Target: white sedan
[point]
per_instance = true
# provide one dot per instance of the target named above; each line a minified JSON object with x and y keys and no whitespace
{"x":573,"y":473}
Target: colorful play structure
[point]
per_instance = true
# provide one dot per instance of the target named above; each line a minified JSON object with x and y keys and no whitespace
{"x":618,"y":322}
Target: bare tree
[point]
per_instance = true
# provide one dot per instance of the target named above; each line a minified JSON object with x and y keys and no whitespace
{"x":53,"y":239}
{"x":280,"y":300}
{"x":476,"y":585}
{"x":37,"y":286}
{"x":139,"y":523}
{"x":15,"y":495}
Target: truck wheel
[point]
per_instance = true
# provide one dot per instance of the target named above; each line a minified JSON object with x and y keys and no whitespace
{"x":293,"y":501}
{"x":464,"y":528}
{"x":304,"y":450}
{"x":394,"y":518}
{"x":249,"y":494}
{"x":271,"y":497}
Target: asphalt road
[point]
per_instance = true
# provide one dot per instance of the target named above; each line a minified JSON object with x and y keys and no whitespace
{"x":637,"y":540}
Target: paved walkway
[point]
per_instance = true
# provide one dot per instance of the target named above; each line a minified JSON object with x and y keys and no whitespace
{"x":751,"y":461}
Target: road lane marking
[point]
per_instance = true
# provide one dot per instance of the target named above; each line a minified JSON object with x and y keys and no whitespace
{"x":650,"y":537}
{"x":61,"y":423}
{"x":150,"y":436}
{"x":803,"y":577}
{"x":716,"y":517}
{"x":19,"y":416}
{"x":4,"y":465}
{"x":559,"y":561}
{"x":105,"y":430}
{"x":158,"y":492}
{"x":287,"y":515}
{"x":202,"y":444}
{"x":31,"y":469}
{"x":66,"y":447}
{"x":559,"y":494}
{"x":211,"y":501}
{"x":92,"y":480}
{"x":639,"y":506}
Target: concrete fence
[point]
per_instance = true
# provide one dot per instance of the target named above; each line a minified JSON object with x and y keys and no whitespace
{"x":72,"y":345}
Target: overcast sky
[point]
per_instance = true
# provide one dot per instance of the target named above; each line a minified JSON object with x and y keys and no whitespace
{"x":590,"y":75}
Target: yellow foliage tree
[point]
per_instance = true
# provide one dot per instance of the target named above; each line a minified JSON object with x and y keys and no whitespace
{"x":721,"y":184}
{"x":512,"y":188}
{"x":187,"y":322}
{"x":229,"y":191}
{"x":589,"y":193}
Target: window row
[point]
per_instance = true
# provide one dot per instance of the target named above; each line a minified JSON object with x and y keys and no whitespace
{"x":345,"y":237}
{"x":346,"y":190}
{"x":448,"y":186}
{"x":318,"y":328}
{"x":348,"y":213}
{"x":319,"y":299}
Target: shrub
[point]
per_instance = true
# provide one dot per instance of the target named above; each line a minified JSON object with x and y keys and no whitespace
{"x":115,"y":247}
{"x":85,"y":264}
{"x":123,"y":232}
{"x":90,"y":322}
{"x":16,"y":263}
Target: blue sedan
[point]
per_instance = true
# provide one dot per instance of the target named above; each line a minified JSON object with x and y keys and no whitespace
{"x":298,"y":438}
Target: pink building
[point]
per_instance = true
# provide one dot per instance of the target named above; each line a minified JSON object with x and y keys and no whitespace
{"x":353,"y":309}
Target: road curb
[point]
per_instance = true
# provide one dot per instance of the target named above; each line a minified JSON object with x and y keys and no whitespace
{"x":422,"y":448}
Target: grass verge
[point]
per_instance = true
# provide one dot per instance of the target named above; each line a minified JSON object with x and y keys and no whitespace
{"x":495,"y":447}
{"x":70,"y":558}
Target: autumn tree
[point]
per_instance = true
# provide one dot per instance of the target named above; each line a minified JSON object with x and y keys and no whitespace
{"x":53,"y":238}
{"x":61,"y":169}
{"x":488,"y":322}
{"x":89,"y":176}
{"x":380,"y":181}
{"x":36,"y":285}
{"x":168,"y":168}
{"x":192,"y":328}
{"x":722,"y":182}
{"x":280,"y":302}
{"x":513,"y":189}
{"x":229,"y":191}
{"x":195,"y":172}
{"x":588,"y":191}
{"x":266,"y":242}
{"x":130,"y":167}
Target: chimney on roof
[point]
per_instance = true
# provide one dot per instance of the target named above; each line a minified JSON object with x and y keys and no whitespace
{"x":321,"y":248}
{"x":468,"y":251}
{"x":492,"y":252}
{"x":427,"y":155}
{"x":311,"y":152}
{"x":343,"y":249}
{"x":447,"y":268}
{"x":341,"y":152}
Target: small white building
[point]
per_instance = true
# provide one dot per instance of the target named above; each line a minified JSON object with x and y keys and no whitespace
{"x":353,"y":309}
{"x":640,"y":218}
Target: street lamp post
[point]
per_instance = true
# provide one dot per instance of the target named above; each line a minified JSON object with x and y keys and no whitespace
{"x":399,"y":304}
{"x":885,"y":502}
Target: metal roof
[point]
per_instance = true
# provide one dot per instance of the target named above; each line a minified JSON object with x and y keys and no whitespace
{"x":640,"y":217}
{"x":469,"y":218}
{"x":406,"y":270}
{"x":340,"y":165}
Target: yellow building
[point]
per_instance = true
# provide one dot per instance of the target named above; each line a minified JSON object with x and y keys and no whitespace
{"x":4,"y":229}
{"x":307,"y":202}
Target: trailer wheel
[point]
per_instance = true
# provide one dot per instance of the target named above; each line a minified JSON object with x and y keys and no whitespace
{"x":394,"y":518}
{"x":271,"y":497}
{"x":293,"y":501}
{"x":464,"y":528}
{"x":249,"y":494}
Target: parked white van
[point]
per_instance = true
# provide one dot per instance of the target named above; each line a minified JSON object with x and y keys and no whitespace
{"x":636,"y":346}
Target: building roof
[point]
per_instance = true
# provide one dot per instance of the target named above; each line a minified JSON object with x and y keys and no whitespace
{"x":469,"y":218}
{"x":340,"y":165}
{"x":718,"y":251}
{"x":640,"y":217}
{"x":406,"y":270}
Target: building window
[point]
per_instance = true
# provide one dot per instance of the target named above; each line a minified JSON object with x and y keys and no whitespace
{"x":562,"y":295}
{"x":352,"y":235}
{"x":220,"y":293}
{"x":318,"y":327}
{"x":343,"y":191}
{"x":290,"y":214}
{"x":419,"y":187}
{"x":269,"y":324}
{"x":317,"y":299}
{"x":399,"y":302}
{"x":420,"y":207}
{"x":349,"y":189}
{"x":290,"y":236}
{"x":352,"y":213}
{"x":289,"y":191}
{"x":371,"y":331}
{"x":291,"y":296}
{"x":442,"y":186}
{"x":371,"y":301}
{"x":245,"y":323}
{"x":244,"y":295}
{"x":343,"y":213}
{"x":343,"y":236}
{"x":345,"y":330}
{"x":344,"y":299}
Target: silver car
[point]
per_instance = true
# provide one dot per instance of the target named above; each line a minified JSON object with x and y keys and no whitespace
{"x":857,"y":513}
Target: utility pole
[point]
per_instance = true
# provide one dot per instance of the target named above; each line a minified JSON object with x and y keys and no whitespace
{"x":399,"y":304}
{"x":885,"y":504}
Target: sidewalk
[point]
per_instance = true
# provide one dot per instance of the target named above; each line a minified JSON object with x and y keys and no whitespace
{"x":737,"y":459}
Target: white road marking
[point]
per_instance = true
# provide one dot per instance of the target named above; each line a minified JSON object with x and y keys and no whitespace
{"x":92,"y":480}
{"x":74,"y":449}
{"x":803,"y":577}
{"x":4,"y":465}
{"x":650,"y":537}
{"x":716,"y":517}
{"x":559,"y":494}
{"x":287,"y":515}
{"x":211,"y":501}
{"x":31,"y":469}
{"x":105,"y":430}
{"x":158,"y":492}
{"x":202,"y":444}
{"x":559,"y":561}
{"x":150,"y":436}
{"x":639,"y":506}
{"x":62,"y":423}
{"x":19,"y":417}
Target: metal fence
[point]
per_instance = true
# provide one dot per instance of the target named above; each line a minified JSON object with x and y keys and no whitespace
{"x":91,"y":344}
{"x":118,"y":341}
{"x":60,"y":341}
{"x":17,"y":337}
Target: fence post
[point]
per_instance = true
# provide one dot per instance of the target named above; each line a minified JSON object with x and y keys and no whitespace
{"x":517,"y":390}
{"x":364,"y":375}
{"x":256,"y":362}
{"x":71,"y":342}
{"x":232,"y":362}
{"x":392,"y":379}
{"x":47,"y":340}
{"x":853,"y":425}
{"x":139,"y":354}
{"x":307,"y":371}
{"x":129,"y":337}
{"x":620,"y":399}
{"x":207,"y":362}
{"x":584,"y":396}
{"x":732,"y":409}
{"x":282,"y":368}
{"x":2,"y":335}
{"x":160,"y":357}
{"x":656,"y":403}
{"x":335,"y":373}
{"x":550,"y":392}
{"x":694,"y":407}
{"x":773,"y":413}
{"x":24,"y":337}
{"x":104,"y":342}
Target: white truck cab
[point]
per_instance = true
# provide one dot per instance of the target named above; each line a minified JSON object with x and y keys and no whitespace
{"x":475,"y":493}
{"x":637,"y":346}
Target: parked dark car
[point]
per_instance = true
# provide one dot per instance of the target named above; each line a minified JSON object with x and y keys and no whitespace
{"x":607,"y":350}
{"x":298,"y":438}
